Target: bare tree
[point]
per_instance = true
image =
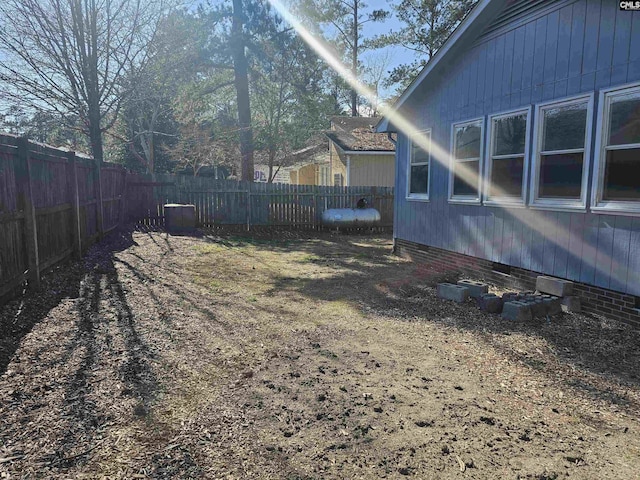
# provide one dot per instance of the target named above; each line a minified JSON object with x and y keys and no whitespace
{"x":75,"y":56}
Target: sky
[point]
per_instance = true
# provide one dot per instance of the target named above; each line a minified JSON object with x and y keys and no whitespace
{"x":397,"y":55}
{"x":393,"y":56}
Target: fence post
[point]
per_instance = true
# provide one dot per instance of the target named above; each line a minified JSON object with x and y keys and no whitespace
{"x":99,"y":203}
{"x":72,"y":178}
{"x":316,"y":216}
{"x":123,"y":198}
{"x":249,"y":206}
{"x":31,"y":229}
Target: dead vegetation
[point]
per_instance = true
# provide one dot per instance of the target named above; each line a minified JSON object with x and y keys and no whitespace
{"x":300,"y":357}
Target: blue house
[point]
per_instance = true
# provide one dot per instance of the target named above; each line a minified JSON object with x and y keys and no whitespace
{"x":518,"y":150}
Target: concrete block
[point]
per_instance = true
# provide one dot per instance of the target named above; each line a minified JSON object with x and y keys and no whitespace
{"x":552,"y":304}
{"x":476,"y":289}
{"x":510,"y":296}
{"x":554,"y":286}
{"x":179,"y":218}
{"x":490,"y":303}
{"x":571,"y":304}
{"x":515,"y":310}
{"x":538,"y":308}
{"x":449,"y":291}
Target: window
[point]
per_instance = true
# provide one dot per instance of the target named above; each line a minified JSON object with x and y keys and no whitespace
{"x":466,"y":158}
{"x":325,"y":172}
{"x":419,"y":166}
{"x":337,"y":180}
{"x":617,"y":170}
{"x":561,"y":158}
{"x":507,"y":166}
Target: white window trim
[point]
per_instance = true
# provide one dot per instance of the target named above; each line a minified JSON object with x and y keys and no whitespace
{"x":506,"y":201}
{"x":598,"y":205}
{"x":466,"y":199}
{"x":418,"y":197}
{"x":562,"y":204}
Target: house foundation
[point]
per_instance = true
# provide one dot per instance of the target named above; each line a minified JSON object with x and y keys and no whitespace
{"x":593,"y":299}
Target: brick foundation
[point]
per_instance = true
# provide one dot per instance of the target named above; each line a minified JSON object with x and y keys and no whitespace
{"x":615,"y":305}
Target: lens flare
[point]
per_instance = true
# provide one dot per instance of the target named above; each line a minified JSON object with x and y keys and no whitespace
{"x":534,"y":220}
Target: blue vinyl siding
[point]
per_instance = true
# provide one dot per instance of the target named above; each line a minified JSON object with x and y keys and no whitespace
{"x":554,"y":50}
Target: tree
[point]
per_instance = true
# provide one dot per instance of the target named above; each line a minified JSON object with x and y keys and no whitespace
{"x":374,"y":76}
{"x":177,"y":58}
{"x":241,"y":82}
{"x":76,"y":56}
{"x":427,"y":25}
{"x":290,"y":98}
{"x":347,"y":18}
{"x":206,"y":135}
{"x":237,"y":30}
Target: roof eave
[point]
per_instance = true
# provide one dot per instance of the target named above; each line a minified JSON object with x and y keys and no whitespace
{"x":369,"y":152}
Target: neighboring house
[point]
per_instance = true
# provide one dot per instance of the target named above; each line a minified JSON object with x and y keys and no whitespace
{"x":532,"y":111}
{"x":307,"y":166}
{"x":359,"y":155}
{"x":312,"y":168}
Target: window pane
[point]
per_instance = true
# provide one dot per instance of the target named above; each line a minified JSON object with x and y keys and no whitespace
{"x":625,"y":121}
{"x":510,"y":134}
{"x":622,"y":175}
{"x":418,"y":155}
{"x":564,"y":127}
{"x":419,"y":179}
{"x":468,"y":141}
{"x":561,"y":175}
{"x":506,"y":177}
{"x":468,"y":171}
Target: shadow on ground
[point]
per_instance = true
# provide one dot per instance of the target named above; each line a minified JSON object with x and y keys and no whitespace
{"x":368,"y":276}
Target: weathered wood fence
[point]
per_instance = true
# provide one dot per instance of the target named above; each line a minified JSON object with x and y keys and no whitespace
{"x":228,"y":202}
{"x":55,"y":204}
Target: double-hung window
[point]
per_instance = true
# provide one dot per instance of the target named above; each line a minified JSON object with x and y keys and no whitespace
{"x":617,"y":168}
{"x":561,"y":154}
{"x":419,"y":166}
{"x":506,"y":171}
{"x":466,"y":159}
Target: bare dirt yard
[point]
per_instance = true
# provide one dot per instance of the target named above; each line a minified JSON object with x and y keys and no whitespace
{"x":304,"y":356}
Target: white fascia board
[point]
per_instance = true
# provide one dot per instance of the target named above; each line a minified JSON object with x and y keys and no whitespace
{"x":369,"y":152}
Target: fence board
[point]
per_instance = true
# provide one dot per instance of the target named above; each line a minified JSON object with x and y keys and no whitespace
{"x":49,"y":207}
{"x":232,"y":202}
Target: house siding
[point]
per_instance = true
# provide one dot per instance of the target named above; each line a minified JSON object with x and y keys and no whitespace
{"x":561,"y":50}
{"x":338,"y":164}
{"x":372,"y":170}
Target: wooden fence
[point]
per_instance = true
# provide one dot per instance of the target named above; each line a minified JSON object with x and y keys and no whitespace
{"x":228,"y":202}
{"x":53,"y":204}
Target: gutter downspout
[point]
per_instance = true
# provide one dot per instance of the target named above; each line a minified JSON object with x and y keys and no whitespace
{"x":394,"y":248}
{"x":348,"y":171}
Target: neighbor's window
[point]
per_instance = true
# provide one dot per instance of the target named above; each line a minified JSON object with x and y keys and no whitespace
{"x":560,"y":169}
{"x":507,"y":166}
{"x":618,"y":163}
{"x":464,"y":182}
{"x":419,"y":163}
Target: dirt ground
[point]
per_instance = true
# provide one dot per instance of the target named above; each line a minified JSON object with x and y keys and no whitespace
{"x":300,"y":357}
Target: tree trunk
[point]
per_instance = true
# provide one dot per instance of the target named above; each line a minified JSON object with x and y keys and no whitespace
{"x":354,"y":60}
{"x":95,"y":134}
{"x":241,"y":81}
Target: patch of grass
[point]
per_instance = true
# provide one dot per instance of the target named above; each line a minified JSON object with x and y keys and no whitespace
{"x":208,"y":248}
{"x":327,"y":353}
